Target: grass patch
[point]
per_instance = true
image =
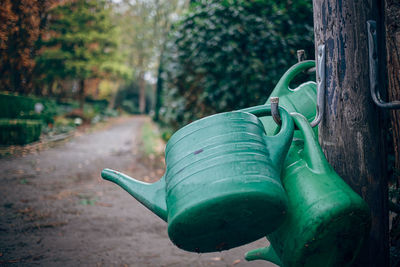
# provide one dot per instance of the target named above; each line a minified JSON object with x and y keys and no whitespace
{"x":150,"y":138}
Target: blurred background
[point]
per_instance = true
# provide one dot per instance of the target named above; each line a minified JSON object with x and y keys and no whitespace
{"x":90,"y":84}
{"x":67,"y":63}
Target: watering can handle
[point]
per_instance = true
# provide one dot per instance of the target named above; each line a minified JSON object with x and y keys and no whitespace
{"x":287,"y":126}
{"x":314,"y":156}
{"x":283,"y":84}
{"x":284,"y":136}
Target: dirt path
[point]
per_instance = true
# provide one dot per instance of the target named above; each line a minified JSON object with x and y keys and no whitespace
{"x":55,"y":210}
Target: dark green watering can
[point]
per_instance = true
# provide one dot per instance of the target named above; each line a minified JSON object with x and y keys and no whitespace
{"x":302,"y":99}
{"x":222,"y":185}
{"x":327,"y":221}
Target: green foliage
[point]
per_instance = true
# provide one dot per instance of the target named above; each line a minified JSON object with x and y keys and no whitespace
{"x":226,"y":55}
{"x":19,"y":132}
{"x":81,"y":43}
{"x":98,"y":105}
{"x":166,"y":134}
{"x":127,"y":98}
{"x":61,"y":125}
{"x":112,"y":113}
{"x":22,"y":107}
{"x":13,"y":105}
{"x":130,"y":107}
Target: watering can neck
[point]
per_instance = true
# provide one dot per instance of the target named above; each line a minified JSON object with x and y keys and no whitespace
{"x":151,"y":196}
{"x":266,"y":253}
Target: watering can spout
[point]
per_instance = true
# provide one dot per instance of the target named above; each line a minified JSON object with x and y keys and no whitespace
{"x":150,"y":195}
{"x":266,"y":253}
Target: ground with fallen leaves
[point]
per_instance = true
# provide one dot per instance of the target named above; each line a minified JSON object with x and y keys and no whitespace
{"x":55,"y":210}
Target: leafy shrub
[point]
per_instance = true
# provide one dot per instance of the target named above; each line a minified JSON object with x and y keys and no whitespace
{"x":62,"y":121}
{"x":62,"y":125}
{"x":127,"y":98}
{"x":130,"y":107}
{"x":89,"y":112}
{"x":19,"y":132}
{"x":23,"y":107}
{"x":98,"y":105}
{"x":226,"y":55}
{"x":110,"y":113}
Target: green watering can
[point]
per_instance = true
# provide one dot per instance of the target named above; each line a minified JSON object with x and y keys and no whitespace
{"x":222,"y":185}
{"x":302,"y":99}
{"x":327,"y":221}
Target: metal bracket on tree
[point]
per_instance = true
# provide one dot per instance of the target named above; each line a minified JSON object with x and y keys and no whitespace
{"x":373,"y":69}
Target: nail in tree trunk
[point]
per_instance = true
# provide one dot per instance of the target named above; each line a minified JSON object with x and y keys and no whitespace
{"x":351,"y":131}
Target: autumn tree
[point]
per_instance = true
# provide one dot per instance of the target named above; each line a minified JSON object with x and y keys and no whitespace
{"x":22,"y":24}
{"x":80,"y":44}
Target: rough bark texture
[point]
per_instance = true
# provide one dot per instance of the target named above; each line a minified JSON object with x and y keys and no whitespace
{"x":350,"y":132}
{"x":392,"y":25}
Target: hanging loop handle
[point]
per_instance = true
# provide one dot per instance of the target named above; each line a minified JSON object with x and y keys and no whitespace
{"x":320,"y":86}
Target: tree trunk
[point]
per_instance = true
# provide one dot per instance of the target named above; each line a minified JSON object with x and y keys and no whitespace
{"x":81,"y":94}
{"x":392,"y":27}
{"x":142,"y":85}
{"x":142,"y":93}
{"x":351,"y":131}
{"x":158,"y":95}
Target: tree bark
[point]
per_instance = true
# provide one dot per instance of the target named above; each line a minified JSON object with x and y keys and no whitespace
{"x":158,"y":95}
{"x":351,"y":130}
{"x":142,"y":85}
{"x":392,"y":27}
{"x":142,"y":93}
{"x":81,"y":94}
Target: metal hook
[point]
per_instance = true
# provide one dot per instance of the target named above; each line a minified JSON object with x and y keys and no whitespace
{"x":373,"y":69}
{"x":275,"y":111}
{"x":320,"y":86}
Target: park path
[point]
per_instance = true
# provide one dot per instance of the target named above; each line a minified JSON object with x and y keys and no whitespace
{"x":55,"y":210}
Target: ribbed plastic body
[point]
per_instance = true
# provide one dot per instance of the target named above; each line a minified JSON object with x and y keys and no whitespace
{"x":223,"y":183}
{"x":327,"y":221}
